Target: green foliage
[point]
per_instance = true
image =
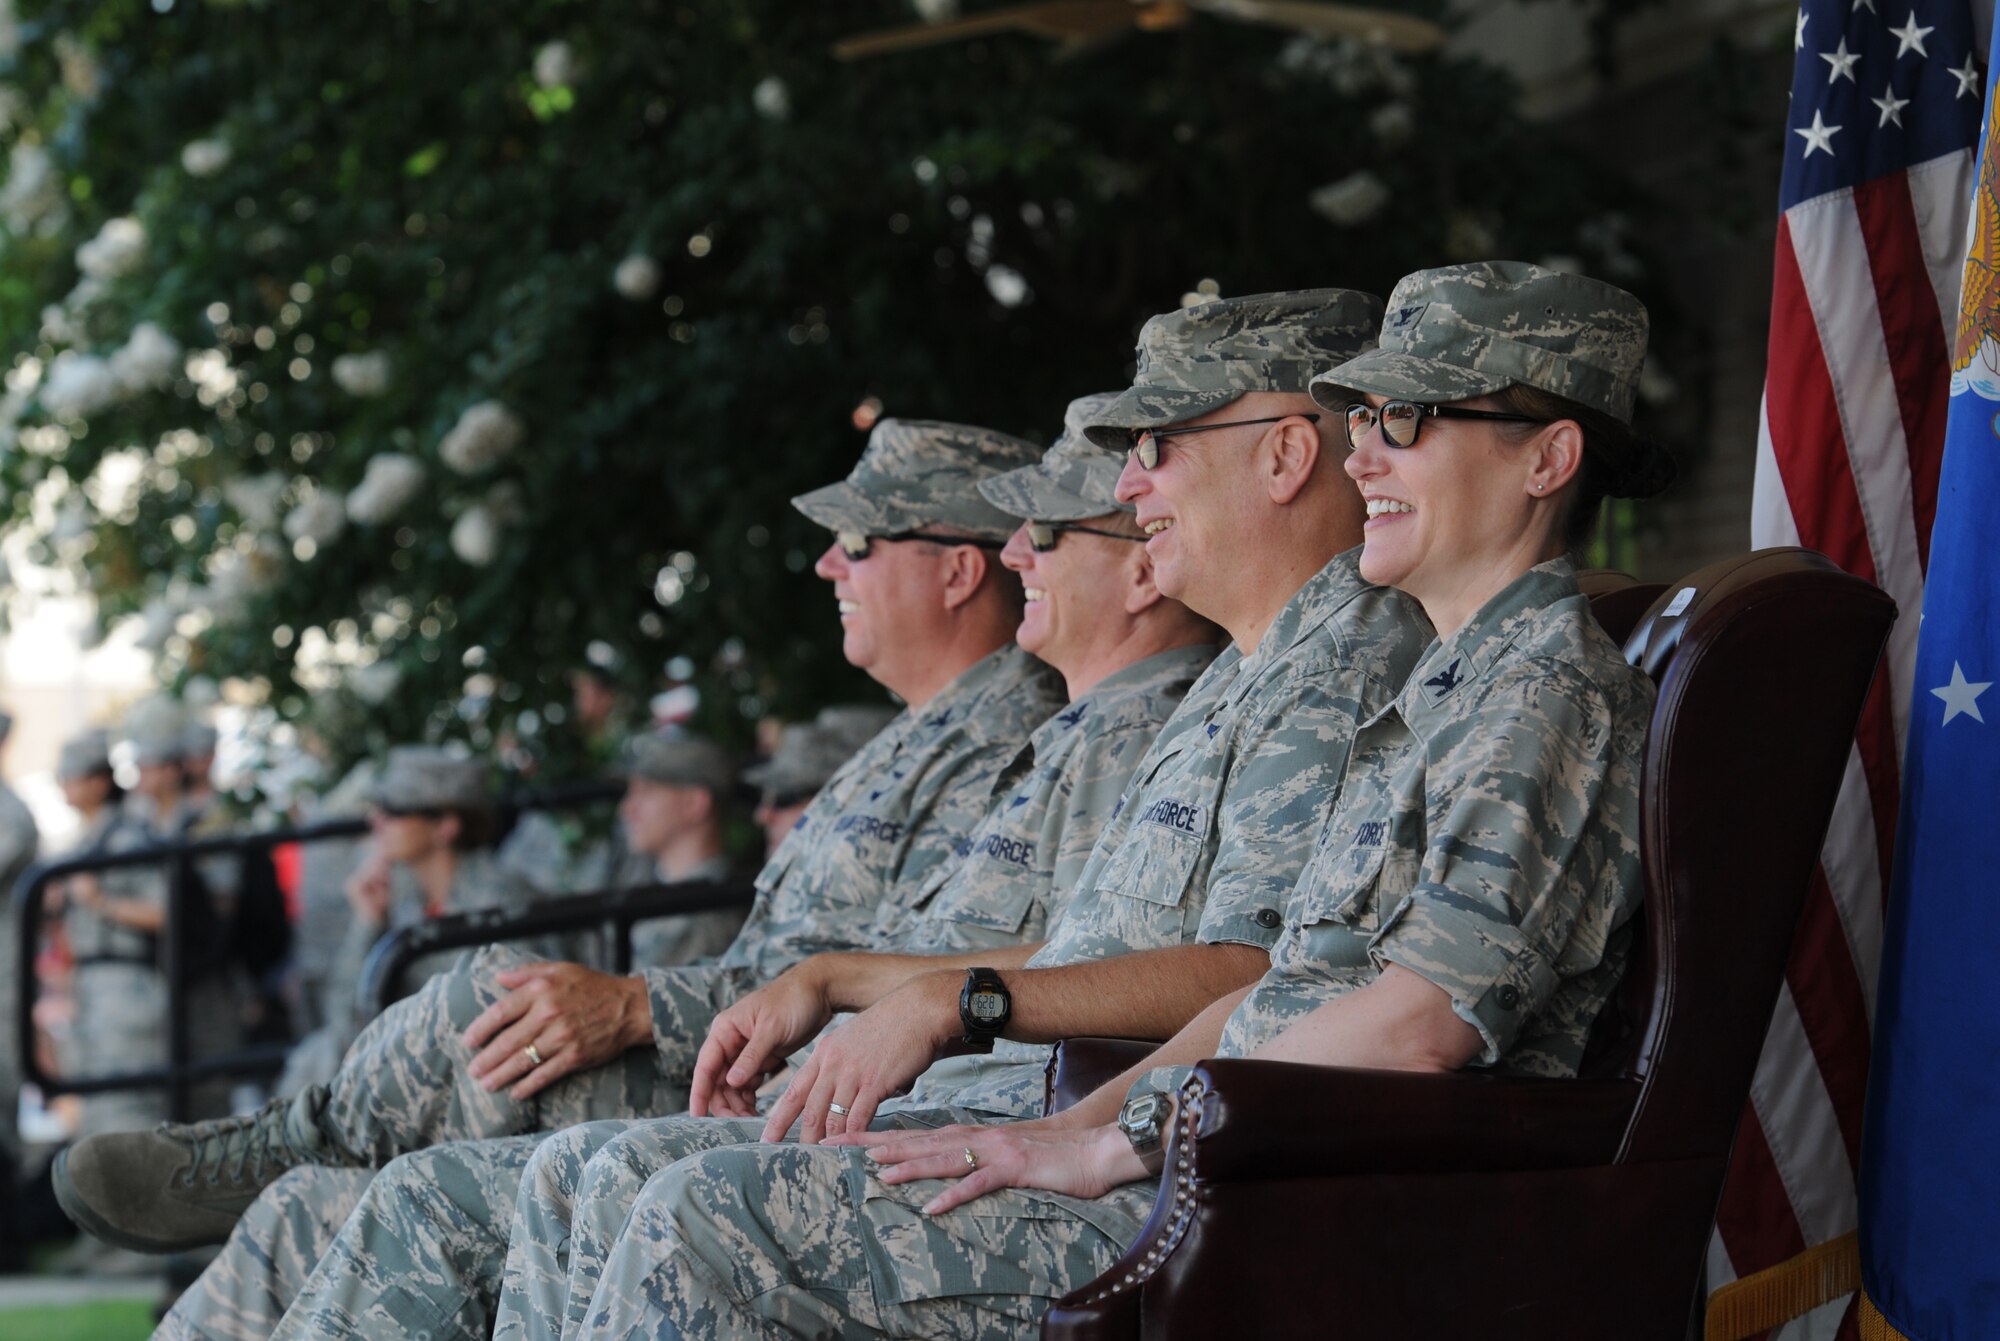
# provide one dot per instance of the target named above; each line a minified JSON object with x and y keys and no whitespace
{"x":973,"y":232}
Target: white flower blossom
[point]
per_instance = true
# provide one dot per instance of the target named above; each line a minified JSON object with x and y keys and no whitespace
{"x":205,"y":158}
{"x":59,"y":326}
{"x":375,"y":682}
{"x":482,"y":437}
{"x":475,"y":536}
{"x":556,"y":65}
{"x":1354,"y":199}
{"x":362,"y":374}
{"x":320,"y":518}
{"x":935,"y":11}
{"x":148,"y":358}
{"x":1393,"y":123}
{"x":391,"y":482}
{"x":119,"y":249}
{"x":34,"y":189}
{"x":1467,"y":237}
{"x":637,"y":277}
{"x":771,"y":98}
{"x":1007,"y":285}
{"x":74,"y":519}
{"x":256,"y":498}
{"x":81,"y":72}
{"x":79,"y":385}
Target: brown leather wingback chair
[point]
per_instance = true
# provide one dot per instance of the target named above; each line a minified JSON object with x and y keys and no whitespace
{"x":1305,"y":1201}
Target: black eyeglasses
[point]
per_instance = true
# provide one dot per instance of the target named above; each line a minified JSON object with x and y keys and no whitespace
{"x":856,"y":544}
{"x":1402,"y":419}
{"x":1042,"y":536}
{"x":1145,"y":442}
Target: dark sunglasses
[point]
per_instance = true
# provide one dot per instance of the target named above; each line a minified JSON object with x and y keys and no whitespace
{"x":1145,"y":442}
{"x":1043,"y":536}
{"x":856,"y":544}
{"x":1402,"y":420}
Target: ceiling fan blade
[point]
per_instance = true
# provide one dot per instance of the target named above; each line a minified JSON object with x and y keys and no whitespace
{"x":1062,"y":19}
{"x":1399,"y":32}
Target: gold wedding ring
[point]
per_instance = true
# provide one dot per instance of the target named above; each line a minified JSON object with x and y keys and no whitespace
{"x":971,"y":1160}
{"x":534,"y":1058}
{"x":836,"y":1110}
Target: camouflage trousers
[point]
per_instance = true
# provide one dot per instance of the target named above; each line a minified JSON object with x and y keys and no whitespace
{"x":579,"y":1187}
{"x":779,"y":1241}
{"x":402,"y":1089}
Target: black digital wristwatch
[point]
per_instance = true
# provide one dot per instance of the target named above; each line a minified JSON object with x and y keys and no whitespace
{"x":984,"y":1007}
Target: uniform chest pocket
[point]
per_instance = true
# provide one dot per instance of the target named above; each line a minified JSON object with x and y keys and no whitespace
{"x":1156,"y":863}
{"x":1363,"y":883}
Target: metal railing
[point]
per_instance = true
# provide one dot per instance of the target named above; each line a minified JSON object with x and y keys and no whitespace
{"x":616,"y":910}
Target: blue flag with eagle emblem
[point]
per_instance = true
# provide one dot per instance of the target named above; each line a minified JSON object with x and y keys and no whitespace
{"x":1930,"y":1181}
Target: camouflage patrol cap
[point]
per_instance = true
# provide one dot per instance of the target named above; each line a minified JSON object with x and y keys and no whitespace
{"x":919,"y":472}
{"x":1201,"y":358}
{"x":156,"y":731}
{"x":1469,"y":330}
{"x":675,"y":757}
{"x":1072,"y":481}
{"x":198,"y":739}
{"x":423,"y":777}
{"x":83,"y":754}
{"x":809,"y":753}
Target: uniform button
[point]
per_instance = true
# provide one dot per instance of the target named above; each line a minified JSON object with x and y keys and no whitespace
{"x":1508,"y":997}
{"x":1268,"y":918}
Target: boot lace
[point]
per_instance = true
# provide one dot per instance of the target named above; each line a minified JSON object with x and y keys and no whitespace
{"x":232,"y":1147}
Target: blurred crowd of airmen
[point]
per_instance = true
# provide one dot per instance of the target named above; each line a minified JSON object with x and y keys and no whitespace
{"x":1092,"y":817}
{"x":434,"y":845}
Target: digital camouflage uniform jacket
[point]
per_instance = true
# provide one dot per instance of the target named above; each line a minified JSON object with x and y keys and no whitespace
{"x":868,"y":843}
{"x":1218,"y":820}
{"x":1487,"y":837}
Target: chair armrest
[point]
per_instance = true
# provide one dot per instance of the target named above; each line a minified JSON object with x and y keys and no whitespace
{"x":1287,"y":1120}
{"x":1081,"y":1066}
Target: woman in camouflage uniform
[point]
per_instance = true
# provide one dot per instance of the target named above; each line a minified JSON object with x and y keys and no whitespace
{"x":1468,"y":902}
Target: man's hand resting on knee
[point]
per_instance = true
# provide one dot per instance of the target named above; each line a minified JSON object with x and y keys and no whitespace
{"x":555,"y":1019}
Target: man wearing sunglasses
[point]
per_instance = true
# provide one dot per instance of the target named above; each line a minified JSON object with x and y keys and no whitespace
{"x":932,"y":620}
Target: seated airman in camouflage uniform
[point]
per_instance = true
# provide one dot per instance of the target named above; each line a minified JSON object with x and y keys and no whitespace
{"x":1127,"y":655}
{"x":930,"y":616}
{"x":677,"y":800}
{"x":1467,"y":901}
{"x":430,"y":816}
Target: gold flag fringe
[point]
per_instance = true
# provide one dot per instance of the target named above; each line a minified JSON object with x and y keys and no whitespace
{"x":1875,"y":1327}
{"x":1774,"y":1296}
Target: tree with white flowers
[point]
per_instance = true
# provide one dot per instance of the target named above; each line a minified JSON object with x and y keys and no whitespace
{"x":442,"y":344}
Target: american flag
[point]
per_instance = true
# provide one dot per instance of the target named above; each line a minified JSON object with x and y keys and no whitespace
{"x":1879,"y":144}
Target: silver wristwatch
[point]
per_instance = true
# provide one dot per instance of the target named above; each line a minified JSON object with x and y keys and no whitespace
{"x":1144,"y":1120}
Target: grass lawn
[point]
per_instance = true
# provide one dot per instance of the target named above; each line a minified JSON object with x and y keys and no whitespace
{"x":117,"y":1320}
